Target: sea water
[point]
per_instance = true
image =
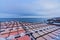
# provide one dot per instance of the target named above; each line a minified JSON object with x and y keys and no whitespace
{"x":38,"y":20}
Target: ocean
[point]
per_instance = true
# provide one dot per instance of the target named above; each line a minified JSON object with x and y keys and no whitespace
{"x":37,"y":20}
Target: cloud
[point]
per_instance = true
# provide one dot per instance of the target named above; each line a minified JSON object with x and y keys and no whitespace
{"x":29,"y":8}
{"x":46,"y":7}
{"x":6,"y":15}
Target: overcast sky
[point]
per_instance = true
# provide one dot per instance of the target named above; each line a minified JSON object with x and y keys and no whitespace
{"x":17,"y":8}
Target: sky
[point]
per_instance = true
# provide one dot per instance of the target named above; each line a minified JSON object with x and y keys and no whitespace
{"x":17,"y":8}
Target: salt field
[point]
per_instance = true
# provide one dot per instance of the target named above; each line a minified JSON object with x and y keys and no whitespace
{"x":15,"y":30}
